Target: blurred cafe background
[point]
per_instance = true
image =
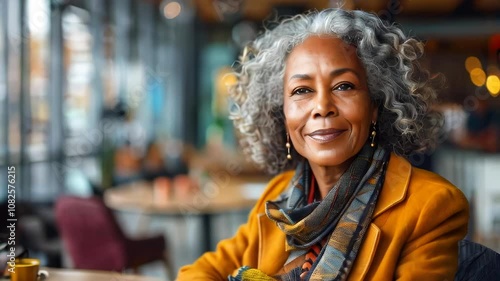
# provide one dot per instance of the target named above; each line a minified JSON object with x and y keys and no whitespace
{"x":125,"y":102}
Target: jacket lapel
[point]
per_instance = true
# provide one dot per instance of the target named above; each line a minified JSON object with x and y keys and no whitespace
{"x":397,"y":178}
{"x":393,"y":192}
{"x":364,"y":259}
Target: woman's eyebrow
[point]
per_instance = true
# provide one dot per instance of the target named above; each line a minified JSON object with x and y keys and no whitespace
{"x":341,"y":71}
{"x":300,"y":77}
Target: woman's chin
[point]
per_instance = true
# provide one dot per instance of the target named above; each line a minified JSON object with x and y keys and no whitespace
{"x":329,"y":159}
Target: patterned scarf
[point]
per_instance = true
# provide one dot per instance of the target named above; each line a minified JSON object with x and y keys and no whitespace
{"x":341,"y":218}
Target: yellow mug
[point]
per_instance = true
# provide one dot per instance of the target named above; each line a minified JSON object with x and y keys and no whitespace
{"x":26,"y":269}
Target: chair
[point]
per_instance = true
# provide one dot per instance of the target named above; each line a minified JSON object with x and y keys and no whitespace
{"x":477,"y":263}
{"x":94,"y":239}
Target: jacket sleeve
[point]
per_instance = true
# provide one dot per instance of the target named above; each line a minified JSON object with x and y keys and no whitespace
{"x":243,"y":246}
{"x":435,"y":224}
{"x":226,"y":258}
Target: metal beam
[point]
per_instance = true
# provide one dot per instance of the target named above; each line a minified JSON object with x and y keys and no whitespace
{"x":4,"y":97}
{"x":24,"y":102}
{"x":96,"y":8}
{"x":451,"y":28}
{"x":121,"y":9}
{"x":56,"y":86}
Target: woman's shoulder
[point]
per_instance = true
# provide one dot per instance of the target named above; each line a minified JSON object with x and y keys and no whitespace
{"x":415,"y":196}
{"x":278,"y":184}
{"x":275,"y":187}
{"x":422,"y":182}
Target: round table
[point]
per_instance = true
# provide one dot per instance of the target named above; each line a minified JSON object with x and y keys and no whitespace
{"x":214,"y":196}
{"x":219,"y":194}
{"x":56,"y":274}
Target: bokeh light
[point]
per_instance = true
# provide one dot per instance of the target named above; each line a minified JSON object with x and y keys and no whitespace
{"x":493,"y":85}
{"x":229,"y":79}
{"x":172,"y":10}
{"x":472,"y":63}
{"x":478,"y":77}
{"x":493,"y":70}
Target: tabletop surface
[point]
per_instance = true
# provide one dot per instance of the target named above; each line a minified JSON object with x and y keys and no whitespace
{"x":221,"y":194}
{"x":92,"y":275}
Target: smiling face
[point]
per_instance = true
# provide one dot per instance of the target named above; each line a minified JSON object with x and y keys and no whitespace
{"x":327,"y":106}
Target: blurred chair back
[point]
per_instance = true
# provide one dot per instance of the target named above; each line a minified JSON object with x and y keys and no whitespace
{"x":91,"y":234}
{"x":477,"y":262}
{"x":94,"y":239}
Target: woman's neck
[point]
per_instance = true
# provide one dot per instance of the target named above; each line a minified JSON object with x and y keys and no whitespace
{"x":327,"y":176}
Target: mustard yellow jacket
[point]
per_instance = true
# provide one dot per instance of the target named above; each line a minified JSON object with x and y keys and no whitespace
{"x":414,"y":234}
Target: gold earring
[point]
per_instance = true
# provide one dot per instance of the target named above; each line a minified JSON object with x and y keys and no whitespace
{"x":288,"y":156}
{"x":373,"y":134}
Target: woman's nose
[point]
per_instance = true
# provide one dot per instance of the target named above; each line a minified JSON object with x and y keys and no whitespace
{"x":324,"y":104}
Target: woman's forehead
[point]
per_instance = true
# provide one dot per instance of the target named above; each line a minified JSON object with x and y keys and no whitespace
{"x":327,"y":51}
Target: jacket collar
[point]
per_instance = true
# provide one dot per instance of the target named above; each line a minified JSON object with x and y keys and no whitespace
{"x":395,"y":187}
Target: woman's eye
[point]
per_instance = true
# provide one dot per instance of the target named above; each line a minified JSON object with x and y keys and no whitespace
{"x":344,"y":87}
{"x":301,"y":91}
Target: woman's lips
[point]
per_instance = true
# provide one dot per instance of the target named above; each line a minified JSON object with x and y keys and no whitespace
{"x":325,"y":135}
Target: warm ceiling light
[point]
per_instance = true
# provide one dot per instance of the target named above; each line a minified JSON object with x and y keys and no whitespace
{"x":478,"y":77}
{"x":493,"y":85}
{"x":172,"y":10}
{"x":472,"y":63}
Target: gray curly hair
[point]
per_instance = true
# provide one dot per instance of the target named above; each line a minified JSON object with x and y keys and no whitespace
{"x":396,"y":82}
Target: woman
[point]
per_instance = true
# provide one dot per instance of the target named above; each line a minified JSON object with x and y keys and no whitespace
{"x":339,"y":97}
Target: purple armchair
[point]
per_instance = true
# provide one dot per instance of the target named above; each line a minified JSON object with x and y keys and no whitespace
{"x":94,"y":239}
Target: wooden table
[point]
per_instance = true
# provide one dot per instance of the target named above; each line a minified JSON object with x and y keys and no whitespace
{"x":218,"y":194}
{"x":56,"y":274}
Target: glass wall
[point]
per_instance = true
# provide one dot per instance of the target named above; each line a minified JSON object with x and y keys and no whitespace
{"x":82,"y":81}
{"x":14,"y":88}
